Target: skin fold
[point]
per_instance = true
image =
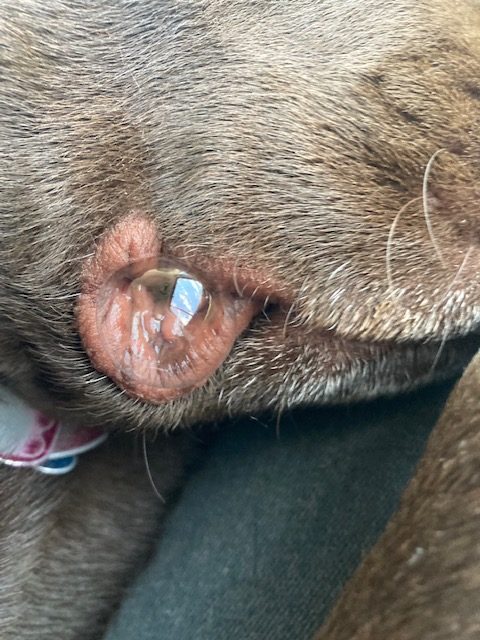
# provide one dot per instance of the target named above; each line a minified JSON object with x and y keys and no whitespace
{"x":321,"y":157}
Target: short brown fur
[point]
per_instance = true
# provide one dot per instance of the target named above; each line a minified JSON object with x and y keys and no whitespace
{"x":331,"y":144}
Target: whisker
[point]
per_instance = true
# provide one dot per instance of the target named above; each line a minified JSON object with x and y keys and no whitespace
{"x":254,"y":292}
{"x":280,"y":413}
{"x":301,"y":295}
{"x":287,"y":319}
{"x":449,"y":325}
{"x":264,"y":309}
{"x":149,"y":472}
{"x":426,"y":211}
{"x":388,"y":252}
{"x":440,"y":350}
{"x":255,"y":419}
{"x":234,"y":278}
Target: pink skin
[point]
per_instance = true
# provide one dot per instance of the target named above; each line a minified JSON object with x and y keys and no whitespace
{"x":119,"y":329}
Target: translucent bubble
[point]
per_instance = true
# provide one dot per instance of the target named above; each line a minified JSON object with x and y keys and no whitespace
{"x":150,"y":317}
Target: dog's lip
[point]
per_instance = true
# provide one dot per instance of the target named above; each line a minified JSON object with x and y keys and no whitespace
{"x":266,"y":295}
{"x":235,"y":277}
{"x":229,"y":275}
{"x":135,"y":241}
{"x":251,"y":288}
{"x":250,"y":285}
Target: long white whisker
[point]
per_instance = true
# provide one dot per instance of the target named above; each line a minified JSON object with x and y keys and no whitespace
{"x":149,"y":473}
{"x":388,"y":252}
{"x":234,"y":278}
{"x":287,"y":319}
{"x":280,"y":412}
{"x":448,"y":327}
{"x":426,"y":210}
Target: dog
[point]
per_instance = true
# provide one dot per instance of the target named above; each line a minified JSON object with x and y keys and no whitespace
{"x":420,"y":581}
{"x":313,"y":165}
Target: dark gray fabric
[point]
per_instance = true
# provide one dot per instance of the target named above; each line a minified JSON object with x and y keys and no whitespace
{"x":268,"y":528}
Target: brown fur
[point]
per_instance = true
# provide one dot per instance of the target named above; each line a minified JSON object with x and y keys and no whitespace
{"x":422,"y":578}
{"x":294,"y":137}
{"x":69,"y":547}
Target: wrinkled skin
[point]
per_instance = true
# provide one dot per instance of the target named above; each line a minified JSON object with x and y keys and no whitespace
{"x":332,"y":146}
